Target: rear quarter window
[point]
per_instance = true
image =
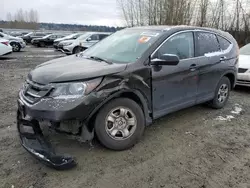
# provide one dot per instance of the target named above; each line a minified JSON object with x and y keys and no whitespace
{"x":206,"y":43}
{"x":224,"y":43}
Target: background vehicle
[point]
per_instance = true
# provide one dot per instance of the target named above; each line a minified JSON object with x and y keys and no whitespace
{"x":16,"y":42}
{"x":82,"y":43}
{"x":5,"y":47}
{"x":32,"y":35}
{"x":18,"y":33}
{"x":125,"y":82}
{"x":244,"y":66}
{"x":69,"y":37}
{"x":47,"y":40}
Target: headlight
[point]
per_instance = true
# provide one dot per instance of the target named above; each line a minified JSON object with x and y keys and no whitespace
{"x":74,"y":90}
{"x":67,"y":43}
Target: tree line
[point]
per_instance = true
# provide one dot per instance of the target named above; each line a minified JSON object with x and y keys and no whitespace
{"x":29,"y":19}
{"x":228,"y":15}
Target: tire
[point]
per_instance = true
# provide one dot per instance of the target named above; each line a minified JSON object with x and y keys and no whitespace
{"x":15,"y":47}
{"x":217,"y":103}
{"x":77,"y":50}
{"x":103,"y":126}
{"x":41,"y":44}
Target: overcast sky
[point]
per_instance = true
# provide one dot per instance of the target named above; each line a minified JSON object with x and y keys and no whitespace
{"x":93,"y":12}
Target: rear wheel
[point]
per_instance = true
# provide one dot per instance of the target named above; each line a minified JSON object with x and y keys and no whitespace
{"x":15,"y":47}
{"x":41,"y":44}
{"x":120,"y":124}
{"x":221,"y":94}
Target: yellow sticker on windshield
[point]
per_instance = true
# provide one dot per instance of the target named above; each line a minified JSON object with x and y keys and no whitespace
{"x":144,"y":39}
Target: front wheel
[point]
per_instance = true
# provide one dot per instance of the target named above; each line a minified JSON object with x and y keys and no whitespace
{"x":120,"y":124}
{"x":221,"y":94}
{"x":77,"y":50}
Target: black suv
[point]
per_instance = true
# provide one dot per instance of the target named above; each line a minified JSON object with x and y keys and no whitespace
{"x":47,"y":40}
{"x":28,"y":37}
{"x":123,"y":83}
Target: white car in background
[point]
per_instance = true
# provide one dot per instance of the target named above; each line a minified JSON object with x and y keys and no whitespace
{"x":244,"y":66}
{"x":16,"y":42}
{"x":5,"y":47}
{"x":81,"y":43}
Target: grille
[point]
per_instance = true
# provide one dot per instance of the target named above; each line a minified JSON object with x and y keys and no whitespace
{"x":33,"y":92}
{"x":240,"y":70}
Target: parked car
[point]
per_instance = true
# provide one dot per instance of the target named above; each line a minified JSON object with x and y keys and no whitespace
{"x":32,"y":35}
{"x":5,"y":47}
{"x":18,"y":33}
{"x":16,"y":42}
{"x":47,"y":40}
{"x":123,"y":83}
{"x":69,"y":37}
{"x":244,"y":66}
{"x":81,"y":43}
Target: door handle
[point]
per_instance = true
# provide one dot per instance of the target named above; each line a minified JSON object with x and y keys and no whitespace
{"x":193,"y":67}
{"x":222,"y":59}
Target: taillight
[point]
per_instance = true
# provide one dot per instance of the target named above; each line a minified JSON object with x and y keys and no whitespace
{"x":6,"y":43}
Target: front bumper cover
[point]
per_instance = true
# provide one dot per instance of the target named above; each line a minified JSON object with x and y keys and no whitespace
{"x":33,"y":141}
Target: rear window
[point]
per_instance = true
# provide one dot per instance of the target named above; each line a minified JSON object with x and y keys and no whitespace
{"x":207,"y":43}
{"x":224,"y":43}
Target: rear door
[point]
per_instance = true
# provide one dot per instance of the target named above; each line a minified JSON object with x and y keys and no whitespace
{"x":210,"y":64}
{"x":175,"y":87}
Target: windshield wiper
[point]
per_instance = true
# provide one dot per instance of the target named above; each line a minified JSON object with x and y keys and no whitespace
{"x":100,"y":59}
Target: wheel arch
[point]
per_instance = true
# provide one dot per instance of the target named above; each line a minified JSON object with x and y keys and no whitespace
{"x":130,"y":94}
{"x":232,"y":78}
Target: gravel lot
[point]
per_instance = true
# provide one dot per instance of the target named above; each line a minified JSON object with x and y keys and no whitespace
{"x":194,"y":148}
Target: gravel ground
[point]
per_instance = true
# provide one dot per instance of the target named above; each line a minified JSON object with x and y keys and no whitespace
{"x":194,"y":148}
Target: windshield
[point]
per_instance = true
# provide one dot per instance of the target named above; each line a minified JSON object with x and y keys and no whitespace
{"x":72,"y":36}
{"x":124,"y":46}
{"x":28,"y":34}
{"x":84,"y":36}
{"x":46,"y":36}
{"x":245,"y":50}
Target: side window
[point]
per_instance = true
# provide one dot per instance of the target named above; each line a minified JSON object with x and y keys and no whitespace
{"x":206,"y":43}
{"x":224,"y":43}
{"x":181,"y":45}
{"x":102,"y":36}
{"x":94,"y":37}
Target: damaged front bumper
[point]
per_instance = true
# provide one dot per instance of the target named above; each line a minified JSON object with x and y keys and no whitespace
{"x":33,"y":141}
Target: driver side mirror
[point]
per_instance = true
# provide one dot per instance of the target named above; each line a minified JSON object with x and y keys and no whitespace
{"x":166,"y":59}
{"x":88,"y":39}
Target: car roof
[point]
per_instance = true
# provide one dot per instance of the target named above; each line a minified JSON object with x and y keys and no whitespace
{"x":166,"y":28}
{"x":107,"y":33}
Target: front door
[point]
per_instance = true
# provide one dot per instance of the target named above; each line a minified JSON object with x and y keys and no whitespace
{"x":175,"y":87}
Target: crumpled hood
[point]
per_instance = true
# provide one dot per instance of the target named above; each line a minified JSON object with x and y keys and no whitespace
{"x":72,"y":68}
{"x":244,"y":61}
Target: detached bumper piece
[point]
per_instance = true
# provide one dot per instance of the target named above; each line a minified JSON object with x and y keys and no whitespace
{"x":33,"y":141}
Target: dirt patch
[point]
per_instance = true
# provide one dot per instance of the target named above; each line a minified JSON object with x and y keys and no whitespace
{"x":194,"y":148}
